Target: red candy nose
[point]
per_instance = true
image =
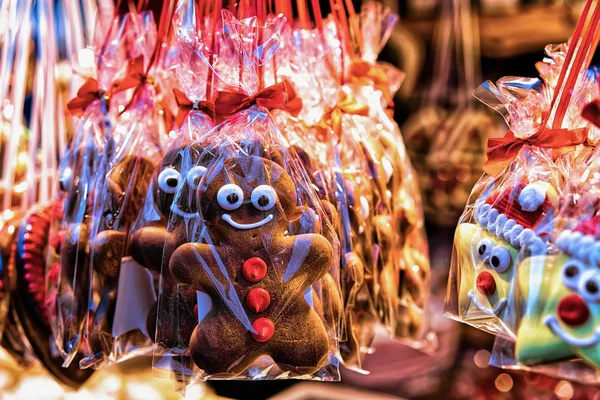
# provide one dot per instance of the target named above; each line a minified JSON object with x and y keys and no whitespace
{"x":486,"y":283}
{"x":573,"y":311}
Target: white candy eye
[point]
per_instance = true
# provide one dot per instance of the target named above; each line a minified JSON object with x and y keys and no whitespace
{"x":589,"y":286}
{"x":263,"y":197}
{"x":194,"y":176}
{"x":230,"y":196}
{"x":66,"y":179}
{"x":484,"y":249}
{"x":571,"y":273}
{"x":168,"y":180}
{"x":500,"y":259}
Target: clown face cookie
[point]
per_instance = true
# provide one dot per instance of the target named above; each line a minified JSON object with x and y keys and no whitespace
{"x":519,"y":217}
{"x":256,"y":274}
{"x":561,"y":295}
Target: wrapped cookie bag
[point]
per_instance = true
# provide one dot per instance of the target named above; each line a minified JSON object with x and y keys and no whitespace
{"x":193,"y":119}
{"x":399,"y":229}
{"x":513,"y":209}
{"x":80,"y":172}
{"x":121,"y":291}
{"x":241,"y":243}
{"x":321,"y":151}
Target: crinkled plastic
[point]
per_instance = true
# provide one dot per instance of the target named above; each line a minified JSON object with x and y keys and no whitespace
{"x":554,"y":292}
{"x":526,"y":226}
{"x":507,"y":214}
{"x":400,"y":246}
{"x":81,"y":171}
{"x":33,"y":242}
{"x":249,"y":241}
{"x":191,"y":124}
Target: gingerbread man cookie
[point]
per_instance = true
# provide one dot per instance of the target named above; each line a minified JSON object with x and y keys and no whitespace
{"x":254,"y":271}
{"x":173,"y":193}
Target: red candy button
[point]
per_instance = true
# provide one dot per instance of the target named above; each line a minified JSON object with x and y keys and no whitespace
{"x":573,"y":311}
{"x":264,"y":329}
{"x":254,"y":269}
{"x":258,"y":300}
{"x":485,"y":283}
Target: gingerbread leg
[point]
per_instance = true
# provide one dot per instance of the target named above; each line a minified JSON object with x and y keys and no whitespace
{"x":301,"y":344}
{"x":221,"y":346}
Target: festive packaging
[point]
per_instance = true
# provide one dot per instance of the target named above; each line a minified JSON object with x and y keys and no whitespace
{"x":248,"y":198}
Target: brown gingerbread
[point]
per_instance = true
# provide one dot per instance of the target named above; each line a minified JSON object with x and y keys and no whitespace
{"x":126,"y":184}
{"x":173,"y":193}
{"x":255,"y":272}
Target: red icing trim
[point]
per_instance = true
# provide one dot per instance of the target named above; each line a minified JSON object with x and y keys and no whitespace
{"x":264,"y":329}
{"x":254,"y":269}
{"x":486,"y":285}
{"x":258,"y":300}
{"x":507,"y":203}
{"x":573,"y":311}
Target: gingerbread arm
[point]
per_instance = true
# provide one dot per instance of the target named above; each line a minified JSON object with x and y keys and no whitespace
{"x":152,"y":247}
{"x":191,"y":264}
{"x":312,"y":256}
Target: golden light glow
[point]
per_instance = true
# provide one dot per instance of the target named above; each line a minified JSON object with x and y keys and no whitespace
{"x":504,"y":382}
{"x":563,"y":390}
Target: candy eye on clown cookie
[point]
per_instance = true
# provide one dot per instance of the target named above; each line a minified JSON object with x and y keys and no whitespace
{"x":589,"y":286}
{"x":230,"y":197}
{"x":194,"y":176}
{"x":500,"y":259}
{"x":168,"y":180}
{"x":571,"y":273}
{"x":263,"y":197}
{"x":484,"y":249}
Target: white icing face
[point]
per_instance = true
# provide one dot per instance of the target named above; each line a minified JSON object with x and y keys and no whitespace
{"x":169,"y":180}
{"x":231,"y":197}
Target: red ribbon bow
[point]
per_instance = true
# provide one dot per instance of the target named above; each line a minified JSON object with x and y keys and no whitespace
{"x":186,"y":105}
{"x":86,"y":95}
{"x":279,"y":96}
{"x":134,"y":75}
{"x":502,"y":151}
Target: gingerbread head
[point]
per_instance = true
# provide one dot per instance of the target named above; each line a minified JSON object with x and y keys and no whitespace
{"x":562,"y":318}
{"x":519,"y":217}
{"x":257,"y":274}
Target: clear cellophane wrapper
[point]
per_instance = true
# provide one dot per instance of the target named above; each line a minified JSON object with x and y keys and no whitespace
{"x":184,"y":69}
{"x":513,"y":216}
{"x":554,"y":293}
{"x":399,"y":237}
{"x":264,"y":255}
{"x":121,"y":290}
{"x":80,"y":172}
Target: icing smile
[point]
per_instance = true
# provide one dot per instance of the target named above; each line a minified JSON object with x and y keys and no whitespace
{"x":552,"y":322}
{"x":227,"y":218}
{"x":183,"y":214}
{"x":489,"y":311}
